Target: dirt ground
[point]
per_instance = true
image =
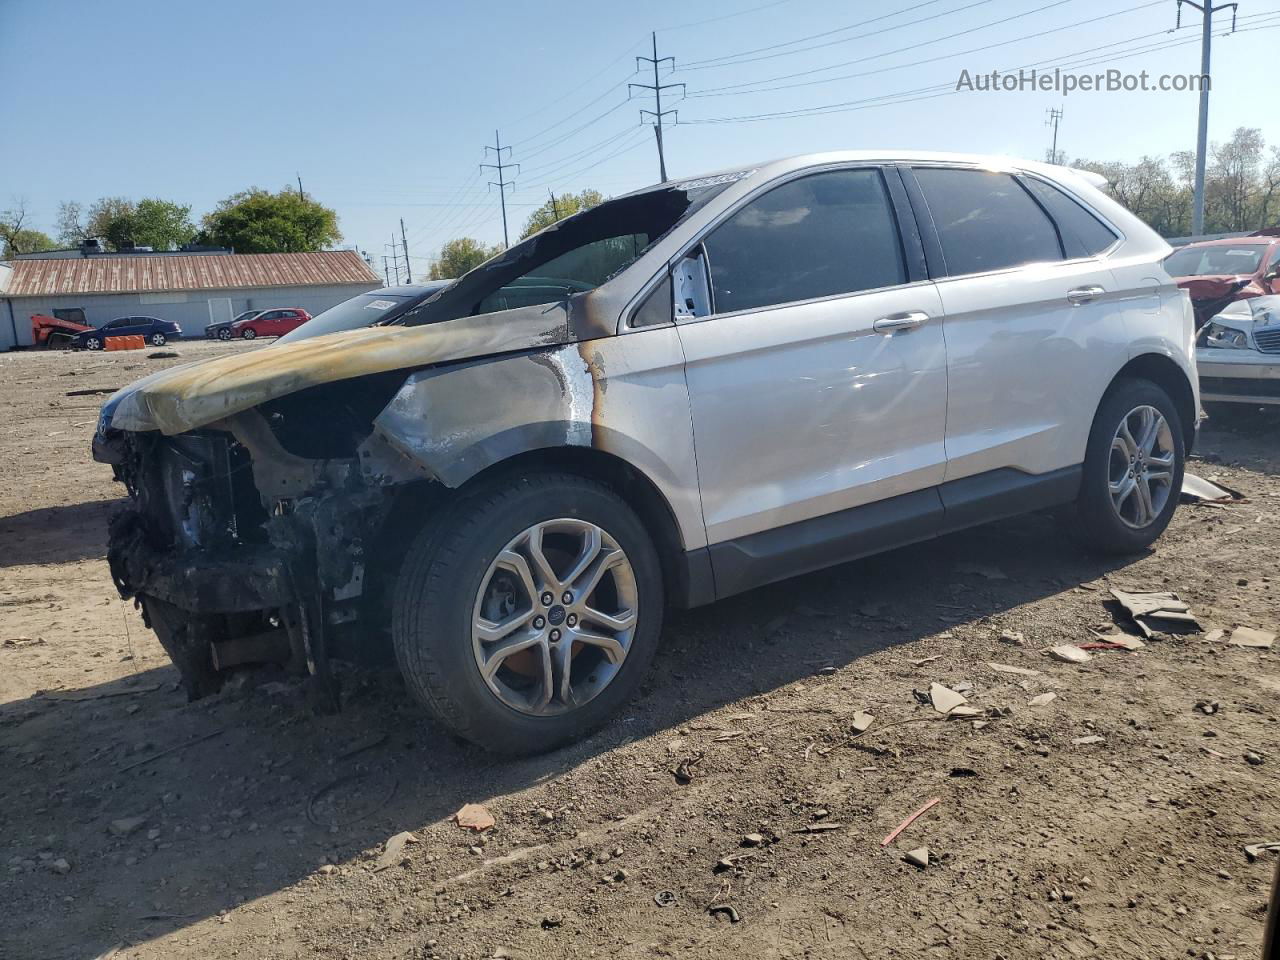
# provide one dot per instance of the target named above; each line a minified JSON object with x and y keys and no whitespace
{"x":241,"y":826}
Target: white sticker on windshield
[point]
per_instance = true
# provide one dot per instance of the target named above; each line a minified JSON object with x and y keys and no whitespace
{"x":379,"y":304}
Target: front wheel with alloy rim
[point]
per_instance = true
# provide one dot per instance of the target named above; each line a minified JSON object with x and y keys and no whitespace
{"x":1133,"y":468}
{"x":249,"y":333}
{"x":528,"y":613}
{"x":224,"y":333}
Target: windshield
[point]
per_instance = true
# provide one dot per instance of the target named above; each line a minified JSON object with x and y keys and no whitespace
{"x":1215,"y":260}
{"x":362,"y":311}
{"x":575,"y":256}
{"x":244,"y":316}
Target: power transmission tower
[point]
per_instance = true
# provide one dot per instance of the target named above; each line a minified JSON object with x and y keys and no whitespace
{"x":657,"y":113}
{"x":502,"y":183}
{"x":404,"y":245}
{"x":1207,"y":10}
{"x":1054,"y":118}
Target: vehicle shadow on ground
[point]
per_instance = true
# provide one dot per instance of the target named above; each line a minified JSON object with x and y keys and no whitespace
{"x":258,"y":792}
{"x":62,"y":534}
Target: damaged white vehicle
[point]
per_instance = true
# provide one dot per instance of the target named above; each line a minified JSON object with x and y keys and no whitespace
{"x":683,"y":393}
{"x":1238,"y":353}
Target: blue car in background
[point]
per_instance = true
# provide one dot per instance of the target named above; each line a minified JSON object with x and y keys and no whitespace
{"x":156,"y":331}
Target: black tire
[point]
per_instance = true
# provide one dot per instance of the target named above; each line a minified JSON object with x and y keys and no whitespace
{"x":93,"y":343}
{"x":157,"y":339}
{"x":249,"y":333}
{"x":225,"y":333}
{"x":433,"y":600}
{"x":1100,"y":527}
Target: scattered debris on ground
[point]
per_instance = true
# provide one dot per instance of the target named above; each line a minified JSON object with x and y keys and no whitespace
{"x":473,"y":816}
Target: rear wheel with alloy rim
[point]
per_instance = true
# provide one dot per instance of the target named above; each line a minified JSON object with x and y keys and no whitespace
{"x":93,"y":343}
{"x":529,"y":612}
{"x":157,"y":339}
{"x":1133,"y":468}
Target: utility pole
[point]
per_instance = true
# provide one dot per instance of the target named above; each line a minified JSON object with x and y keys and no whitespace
{"x":395,"y":258}
{"x":404,"y":245}
{"x":555,"y":207}
{"x":657,"y":113}
{"x":386,"y":274}
{"x":502,"y":183}
{"x":301,"y":195}
{"x":1055,"y":117}
{"x":1207,"y":10}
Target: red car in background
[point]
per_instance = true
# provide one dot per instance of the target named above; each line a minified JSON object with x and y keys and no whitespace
{"x":270,"y":323}
{"x":1216,"y":272}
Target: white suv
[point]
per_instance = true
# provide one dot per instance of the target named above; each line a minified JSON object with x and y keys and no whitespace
{"x":681,"y":394}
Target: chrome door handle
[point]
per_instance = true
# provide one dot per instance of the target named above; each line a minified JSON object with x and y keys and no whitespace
{"x":1084,"y":294}
{"x":900,"y":321}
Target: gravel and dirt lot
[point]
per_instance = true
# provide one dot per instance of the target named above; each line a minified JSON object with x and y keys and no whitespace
{"x":1110,"y":821}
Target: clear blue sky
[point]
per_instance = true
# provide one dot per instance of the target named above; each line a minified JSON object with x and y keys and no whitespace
{"x":384,"y":108}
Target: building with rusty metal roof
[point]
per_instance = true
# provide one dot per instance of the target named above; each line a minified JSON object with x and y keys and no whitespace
{"x":193,"y":290}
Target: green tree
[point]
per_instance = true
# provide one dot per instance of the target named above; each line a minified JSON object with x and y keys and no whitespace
{"x":23,"y":241}
{"x":16,"y":237}
{"x":557,"y":208}
{"x":459,"y":256}
{"x":106,"y":212}
{"x":258,"y":221}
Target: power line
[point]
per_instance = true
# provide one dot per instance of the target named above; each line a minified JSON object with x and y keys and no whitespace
{"x":502,"y":183}
{"x":657,"y":112}
{"x":729,"y":16}
{"x":734,"y":89}
{"x":941,"y":90}
{"x":547,"y":106}
{"x":744,"y":56}
{"x":538,"y":169}
{"x":627,"y":148}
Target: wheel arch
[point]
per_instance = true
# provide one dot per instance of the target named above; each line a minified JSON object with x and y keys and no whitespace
{"x":1170,"y":377}
{"x":686,"y":574}
{"x":683,"y":579}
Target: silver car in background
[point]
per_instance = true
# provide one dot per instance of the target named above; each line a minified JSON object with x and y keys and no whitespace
{"x":1238,"y":353}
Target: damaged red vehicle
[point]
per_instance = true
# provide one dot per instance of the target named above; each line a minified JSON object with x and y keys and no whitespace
{"x":1217,"y":272}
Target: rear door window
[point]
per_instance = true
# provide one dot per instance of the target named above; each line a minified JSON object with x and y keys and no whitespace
{"x":818,"y":236}
{"x":1083,"y":234}
{"x":986,"y":220}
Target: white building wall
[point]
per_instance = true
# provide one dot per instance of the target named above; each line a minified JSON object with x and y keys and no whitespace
{"x":192,"y":311}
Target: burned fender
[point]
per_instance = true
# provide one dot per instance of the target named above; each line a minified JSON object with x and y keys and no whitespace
{"x":622,"y":395}
{"x":456,"y":421}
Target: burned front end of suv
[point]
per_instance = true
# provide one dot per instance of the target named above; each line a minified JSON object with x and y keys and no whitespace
{"x":247,"y":540}
{"x":273,"y":494}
